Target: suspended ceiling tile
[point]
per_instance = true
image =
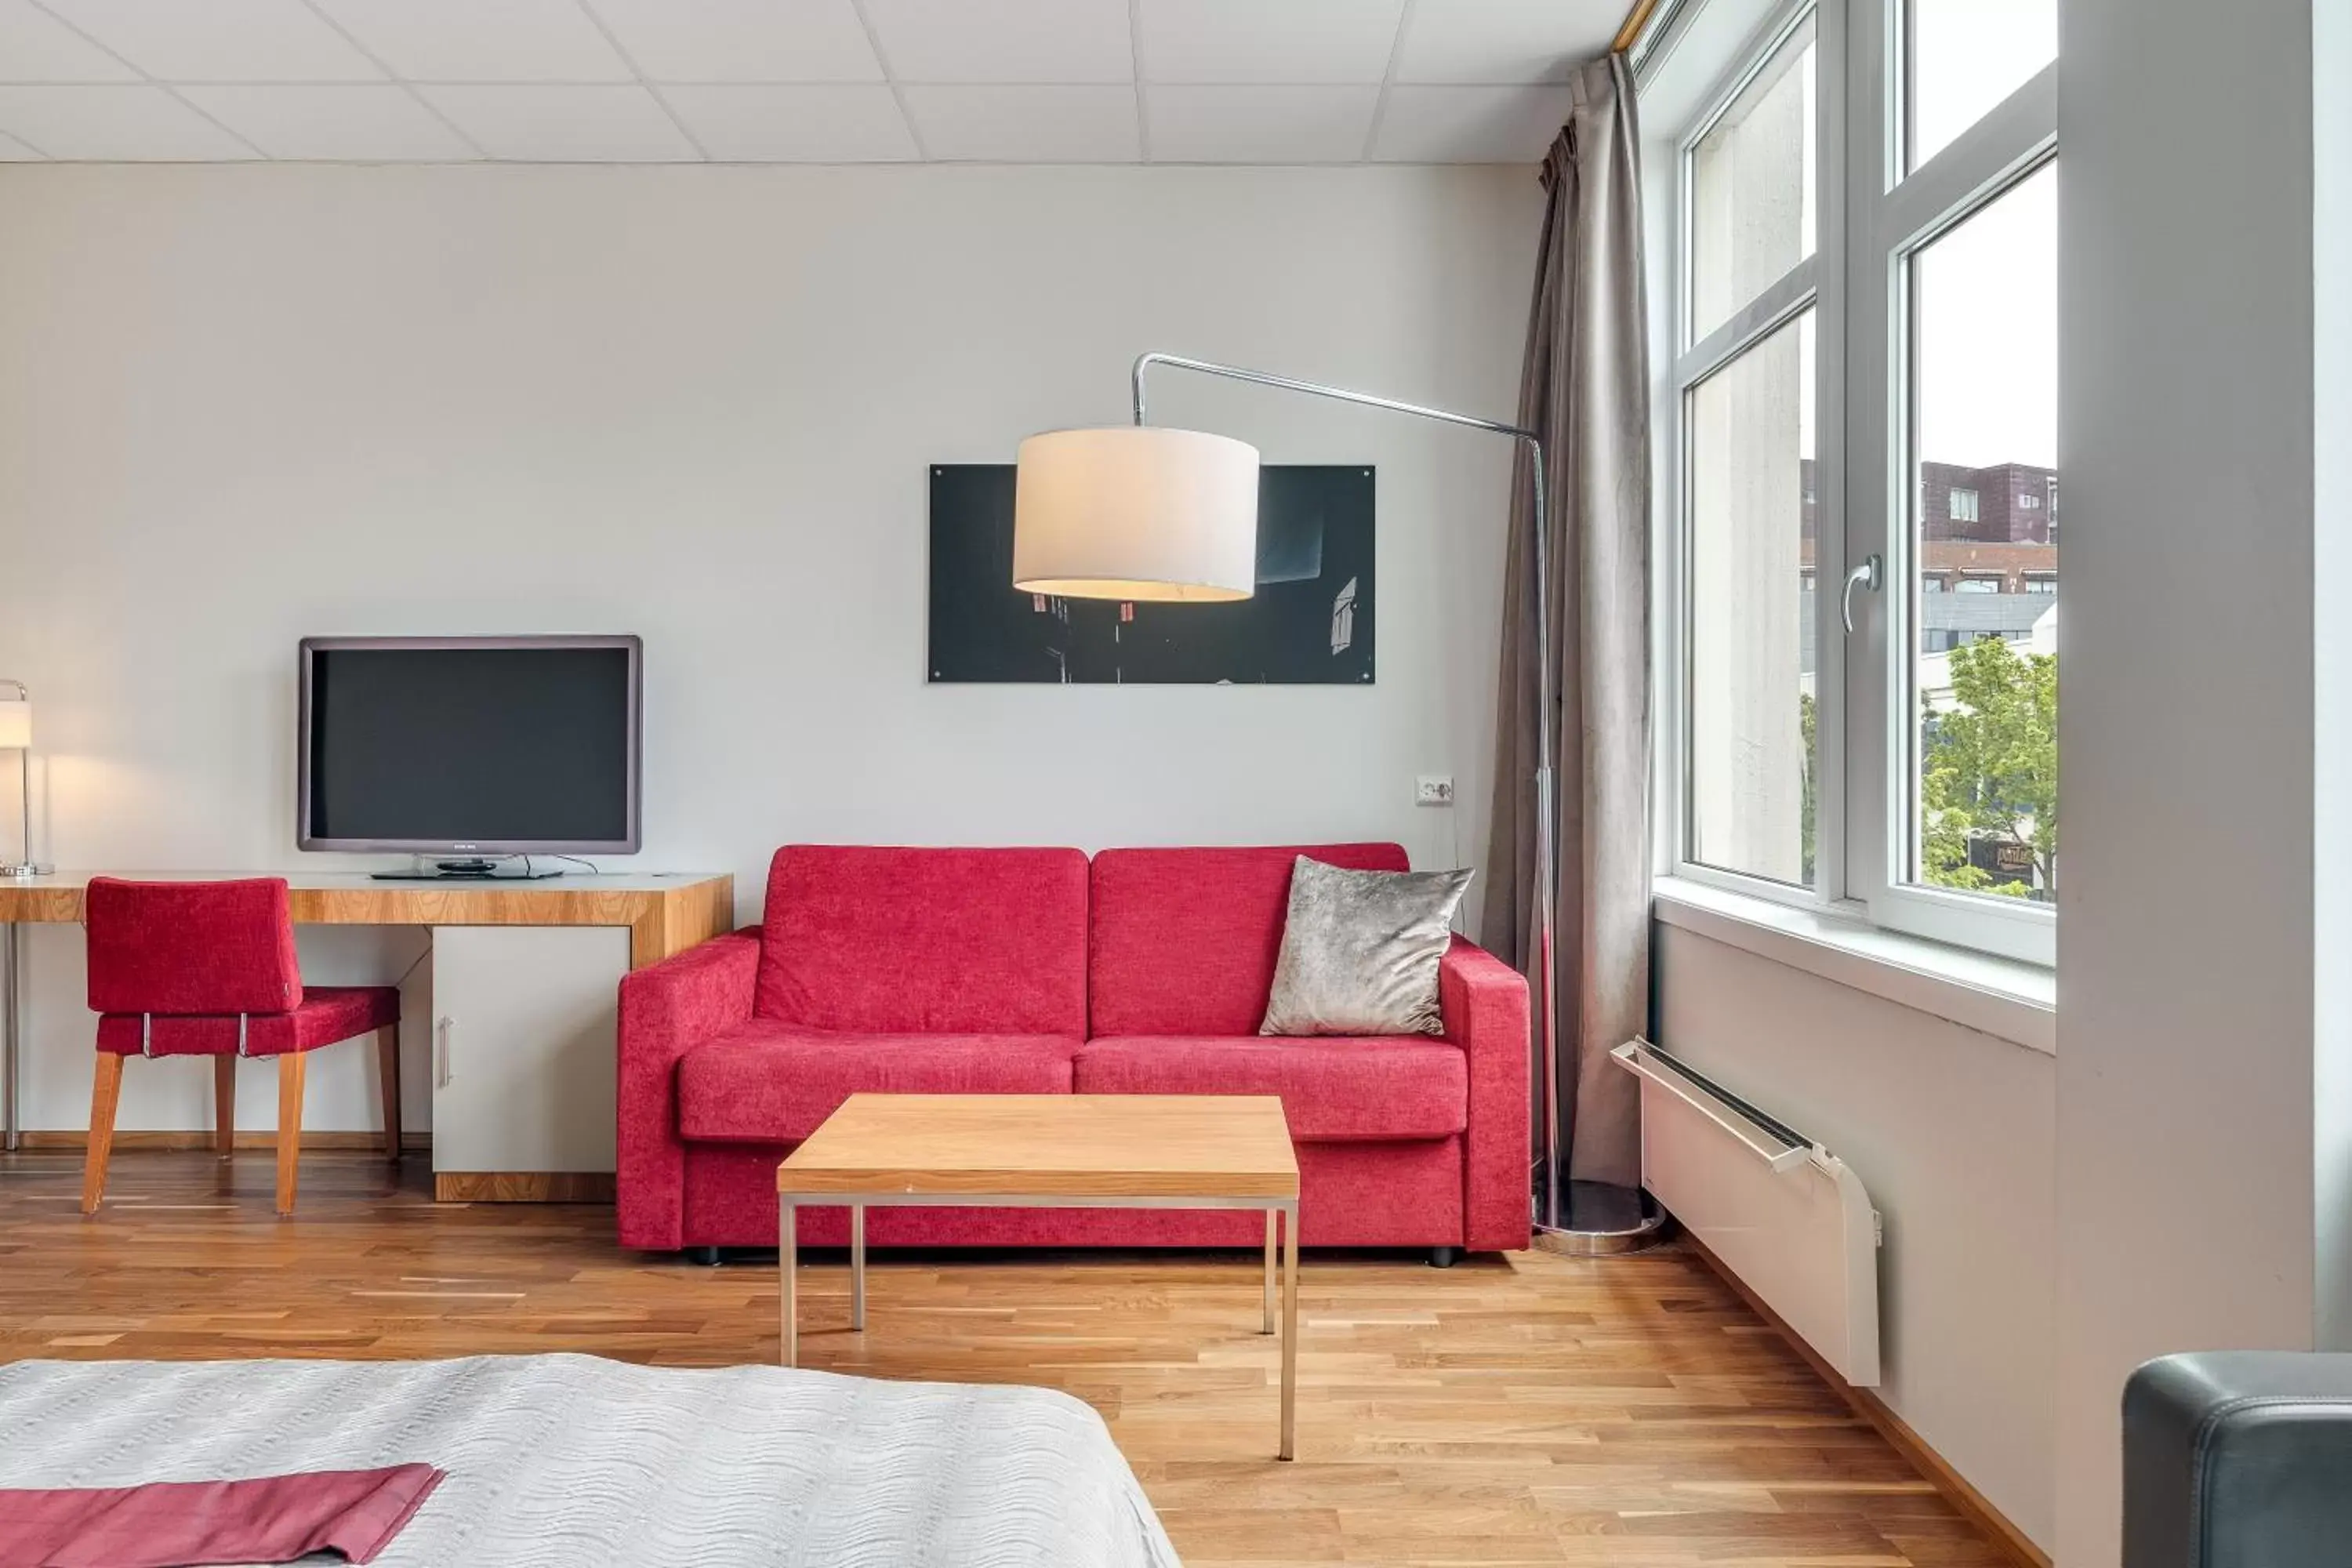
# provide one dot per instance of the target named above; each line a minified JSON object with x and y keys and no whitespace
{"x":1044,"y":41}
{"x":482,"y":40}
{"x":363,"y":123}
{"x":543,"y":124}
{"x":1504,"y":42}
{"x":1248,"y":124}
{"x":37,"y":47}
{"x":113,"y":124}
{"x":1469,"y":124}
{"x":221,"y":40}
{"x":821,"y":123}
{"x":1294,"y":41}
{"x":1026,"y":124}
{"x":742,"y":40}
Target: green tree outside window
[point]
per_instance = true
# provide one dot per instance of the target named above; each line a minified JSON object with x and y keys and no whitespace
{"x":1989,"y":770}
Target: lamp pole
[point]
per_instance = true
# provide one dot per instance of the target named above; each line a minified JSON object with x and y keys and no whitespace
{"x":1549,"y":1184}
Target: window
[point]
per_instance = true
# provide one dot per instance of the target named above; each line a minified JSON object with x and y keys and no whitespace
{"x":1983,"y":298}
{"x":1750,"y":718}
{"x":1750,"y":492}
{"x":1963,"y":57}
{"x":1864,"y":295}
{"x":1752,"y":186}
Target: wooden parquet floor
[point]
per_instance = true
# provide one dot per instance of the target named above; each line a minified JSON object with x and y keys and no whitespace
{"x":1509,"y":1410}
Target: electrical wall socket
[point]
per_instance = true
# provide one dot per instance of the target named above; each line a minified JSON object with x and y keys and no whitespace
{"x":1433,"y":789}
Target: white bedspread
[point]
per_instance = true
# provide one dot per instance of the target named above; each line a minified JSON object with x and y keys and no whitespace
{"x":571,"y":1461}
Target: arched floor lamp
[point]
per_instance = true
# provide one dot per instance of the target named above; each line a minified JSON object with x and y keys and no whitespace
{"x":1150,"y":513}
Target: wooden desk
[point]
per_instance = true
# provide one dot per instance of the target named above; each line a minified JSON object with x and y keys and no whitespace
{"x":663,"y":913}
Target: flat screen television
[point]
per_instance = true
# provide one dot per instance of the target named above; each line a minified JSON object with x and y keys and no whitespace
{"x":470,"y":746}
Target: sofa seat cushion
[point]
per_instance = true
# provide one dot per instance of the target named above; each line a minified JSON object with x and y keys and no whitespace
{"x":768,"y":1082}
{"x":1333,"y":1087}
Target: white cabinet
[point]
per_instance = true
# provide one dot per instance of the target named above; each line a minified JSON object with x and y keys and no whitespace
{"x":523,"y":1024}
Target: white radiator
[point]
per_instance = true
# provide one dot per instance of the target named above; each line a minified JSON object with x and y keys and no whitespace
{"x":1779,"y":1210}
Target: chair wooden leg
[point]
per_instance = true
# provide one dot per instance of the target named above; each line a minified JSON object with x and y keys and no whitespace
{"x":223,"y":1106}
{"x":105,"y":1090}
{"x":290,"y":1069}
{"x":387,"y":1072}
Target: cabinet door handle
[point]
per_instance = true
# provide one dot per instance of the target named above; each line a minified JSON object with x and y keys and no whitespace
{"x":441,"y":1072}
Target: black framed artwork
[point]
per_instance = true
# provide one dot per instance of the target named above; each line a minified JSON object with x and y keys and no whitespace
{"x":1310,"y":621}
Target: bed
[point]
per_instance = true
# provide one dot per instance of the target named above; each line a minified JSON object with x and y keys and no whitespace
{"x":576,"y":1461}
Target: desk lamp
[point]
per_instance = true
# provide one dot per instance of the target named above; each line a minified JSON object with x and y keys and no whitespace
{"x":17,"y":733}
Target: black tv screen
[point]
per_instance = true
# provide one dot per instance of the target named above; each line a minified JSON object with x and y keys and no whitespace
{"x":497,"y":745}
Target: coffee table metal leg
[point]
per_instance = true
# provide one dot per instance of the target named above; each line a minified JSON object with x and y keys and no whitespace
{"x":1266,"y":1325}
{"x":1289,"y":1332}
{"x":787,"y":1265}
{"x":857,"y":1268}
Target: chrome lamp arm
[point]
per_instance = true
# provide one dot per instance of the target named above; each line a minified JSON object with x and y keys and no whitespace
{"x":1548,"y":1169}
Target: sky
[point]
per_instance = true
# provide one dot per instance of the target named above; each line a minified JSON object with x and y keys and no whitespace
{"x":1986,"y":293}
{"x":1985,"y":298}
{"x":1969,"y":55}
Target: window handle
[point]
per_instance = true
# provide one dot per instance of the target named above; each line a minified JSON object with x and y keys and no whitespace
{"x":1870,"y":575}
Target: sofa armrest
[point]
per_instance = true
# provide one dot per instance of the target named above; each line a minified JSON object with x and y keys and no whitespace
{"x":1484,"y":1005}
{"x":2237,"y":1457}
{"x":666,"y":1009}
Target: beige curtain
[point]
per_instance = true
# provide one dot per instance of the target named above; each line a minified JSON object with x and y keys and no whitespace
{"x":1584,"y":389}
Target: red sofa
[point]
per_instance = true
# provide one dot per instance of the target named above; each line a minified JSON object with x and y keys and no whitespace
{"x":1033,"y":971}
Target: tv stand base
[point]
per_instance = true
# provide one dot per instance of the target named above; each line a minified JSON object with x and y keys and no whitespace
{"x":471,"y":870}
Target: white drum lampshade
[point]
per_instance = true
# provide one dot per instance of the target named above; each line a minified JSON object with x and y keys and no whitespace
{"x":16,"y":723}
{"x":1136,"y":512}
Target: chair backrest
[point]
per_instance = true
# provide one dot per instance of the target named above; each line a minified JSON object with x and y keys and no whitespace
{"x":926,"y":941}
{"x":1184,"y":941}
{"x":190,"y":947}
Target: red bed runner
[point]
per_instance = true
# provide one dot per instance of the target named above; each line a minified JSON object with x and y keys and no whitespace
{"x":199,"y":1524}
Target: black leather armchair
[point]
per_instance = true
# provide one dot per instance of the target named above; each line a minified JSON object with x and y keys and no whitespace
{"x":2239,"y":1459}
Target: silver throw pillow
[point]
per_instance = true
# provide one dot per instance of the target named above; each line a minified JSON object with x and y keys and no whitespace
{"x":1360,"y":951}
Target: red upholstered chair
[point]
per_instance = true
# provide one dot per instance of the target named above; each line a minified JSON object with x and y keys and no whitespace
{"x":207,"y":969}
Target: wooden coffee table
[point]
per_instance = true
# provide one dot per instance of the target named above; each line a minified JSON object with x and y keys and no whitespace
{"x":1051,"y":1150}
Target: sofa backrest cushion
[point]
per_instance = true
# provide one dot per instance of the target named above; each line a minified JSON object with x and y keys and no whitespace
{"x":1183,"y":940}
{"x":926,"y":941}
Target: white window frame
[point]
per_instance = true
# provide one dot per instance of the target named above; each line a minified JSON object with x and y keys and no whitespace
{"x":1871,"y":218}
{"x":1809,"y":284}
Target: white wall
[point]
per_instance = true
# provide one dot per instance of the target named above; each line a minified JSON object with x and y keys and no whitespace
{"x":242,"y":405}
{"x":2192,"y":968}
{"x":1953,"y":1131}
